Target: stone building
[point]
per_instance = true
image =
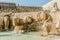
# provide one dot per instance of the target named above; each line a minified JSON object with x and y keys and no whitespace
{"x":7,"y":5}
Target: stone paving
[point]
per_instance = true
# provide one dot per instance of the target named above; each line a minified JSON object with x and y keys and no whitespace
{"x":27,"y":36}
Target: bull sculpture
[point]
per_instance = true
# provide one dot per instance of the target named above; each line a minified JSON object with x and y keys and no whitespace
{"x":18,"y":26}
{"x":28,"y":21}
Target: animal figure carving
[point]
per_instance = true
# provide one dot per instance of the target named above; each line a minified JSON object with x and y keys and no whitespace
{"x":18,"y":29}
{"x":16,"y":21}
{"x":46,"y":19}
{"x":28,"y":22}
{"x":43,"y":17}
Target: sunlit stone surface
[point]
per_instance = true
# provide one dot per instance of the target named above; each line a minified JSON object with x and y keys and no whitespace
{"x":33,"y":25}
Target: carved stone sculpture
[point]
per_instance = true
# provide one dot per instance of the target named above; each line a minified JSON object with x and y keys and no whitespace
{"x":6,"y":21}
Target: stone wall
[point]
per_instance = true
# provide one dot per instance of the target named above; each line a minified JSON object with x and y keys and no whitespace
{"x":26,"y":14}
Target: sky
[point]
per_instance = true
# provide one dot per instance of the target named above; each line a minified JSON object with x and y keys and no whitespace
{"x":28,"y":2}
